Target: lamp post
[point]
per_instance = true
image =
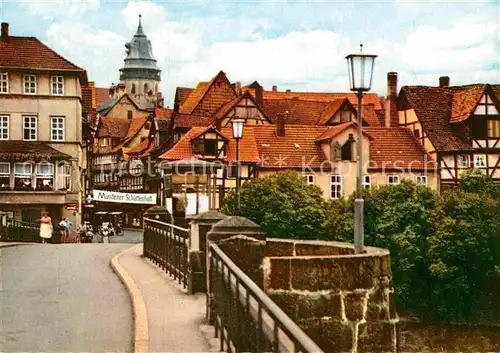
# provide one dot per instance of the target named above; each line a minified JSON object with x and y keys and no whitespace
{"x":360,"y":68}
{"x":237,"y":135}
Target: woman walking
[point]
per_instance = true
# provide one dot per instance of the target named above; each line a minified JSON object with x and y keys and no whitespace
{"x":45,"y":228}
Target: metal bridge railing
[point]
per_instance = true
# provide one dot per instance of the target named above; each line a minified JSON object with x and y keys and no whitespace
{"x":245,"y":318}
{"x":167,"y":246}
{"x":21,"y":231}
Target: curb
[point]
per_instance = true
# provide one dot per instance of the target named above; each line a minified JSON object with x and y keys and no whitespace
{"x":7,"y":245}
{"x":141,"y":334}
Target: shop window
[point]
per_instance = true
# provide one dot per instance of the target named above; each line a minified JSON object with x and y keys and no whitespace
{"x":45,"y":176}
{"x":23,"y":174}
{"x":4,"y":176}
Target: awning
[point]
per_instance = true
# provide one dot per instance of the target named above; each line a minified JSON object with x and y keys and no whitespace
{"x":115,"y":213}
{"x":29,"y":150}
{"x":101,"y":212}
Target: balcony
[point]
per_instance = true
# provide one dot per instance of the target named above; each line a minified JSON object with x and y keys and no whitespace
{"x":34,"y":196}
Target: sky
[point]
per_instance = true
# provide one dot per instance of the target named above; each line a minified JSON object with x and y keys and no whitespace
{"x":297,"y":45}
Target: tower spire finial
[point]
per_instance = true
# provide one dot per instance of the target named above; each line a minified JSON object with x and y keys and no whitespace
{"x":140,"y":31}
{"x":361,"y":47}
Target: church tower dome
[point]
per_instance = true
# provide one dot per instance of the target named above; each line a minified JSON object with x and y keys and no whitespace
{"x":140,"y":73}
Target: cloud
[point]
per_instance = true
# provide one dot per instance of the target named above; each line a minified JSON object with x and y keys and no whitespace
{"x":51,"y":9}
{"x":99,"y":51}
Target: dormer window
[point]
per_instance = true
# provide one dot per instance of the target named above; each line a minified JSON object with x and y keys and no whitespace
{"x":4,"y":82}
{"x":205,"y":147}
{"x":346,"y":153}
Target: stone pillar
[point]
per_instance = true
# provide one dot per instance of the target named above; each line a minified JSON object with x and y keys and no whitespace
{"x":236,"y":236}
{"x":200,"y":225}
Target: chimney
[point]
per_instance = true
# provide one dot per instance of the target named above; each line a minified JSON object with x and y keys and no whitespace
{"x":444,"y":81}
{"x":280,"y":125}
{"x":275,"y":88}
{"x":237,"y":87}
{"x":259,"y":94}
{"x":392,"y":119}
{"x":5,"y":29}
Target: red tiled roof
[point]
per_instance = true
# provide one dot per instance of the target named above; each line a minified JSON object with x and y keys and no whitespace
{"x":333,"y":131}
{"x":297,"y":148}
{"x":330,"y":110}
{"x":368,"y":98}
{"x":183,"y":93}
{"x":163,"y":113}
{"x":248,"y":146}
{"x":299,"y":111}
{"x":464,"y":101}
{"x":135,"y":126}
{"x":433,"y":106}
{"x":113,"y":127}
{"x":373,"y":117}
{"x":102,"y":96}
{"x":189,"y":121}
{"x":31,"y":53}
{"x":223,"y":110}
{"x":396,"y":148}
{"x":183,"y":149}
{"x":194,"y":98}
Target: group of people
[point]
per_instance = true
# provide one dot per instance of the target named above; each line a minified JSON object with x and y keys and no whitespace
{"x":46,"y":229}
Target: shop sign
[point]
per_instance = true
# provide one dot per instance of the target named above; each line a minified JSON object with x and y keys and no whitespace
{"x":71,"y":207}
{"x":122,"y":197}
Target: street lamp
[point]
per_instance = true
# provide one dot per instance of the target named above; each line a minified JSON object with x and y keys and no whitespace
{"x":237,"y":135}
{"x":360,"y":68}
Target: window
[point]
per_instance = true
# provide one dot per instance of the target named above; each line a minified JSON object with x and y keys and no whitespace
{"x":421,"y":179}
{"x":494,"y":128}
{"x":335,"y":186}
{"x":367,"y":182}
{"x":104,"y":142}
{"x":346,"y":153}
{"x":147,"y":126}
{"x":478,"y":129}
{"x":393,"y":179}
{"x":4,"y":175}
{"x":45,"y":176}
{"x":416,"y":133}
{"x":129,"y":114}
{"x":145,"y":88}
{"x":480,"y":161}
{"x":463,"y":161}
{"x":64,"y":176}
{"x":23,"y":176}
{"x":57,"y":129}
{"x":309,"y":179}
{"x":30,"y":84}
{"x":4,"y":127}
{"x":132,"y":90}
{"x":57,"y":85}
{"x":4,"y":82}
{"x":232,"y":171}
{"x":205,"y":147}
{"x":30,"y":128}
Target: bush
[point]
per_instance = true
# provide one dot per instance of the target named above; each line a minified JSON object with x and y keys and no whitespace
{"x":282,"y":204}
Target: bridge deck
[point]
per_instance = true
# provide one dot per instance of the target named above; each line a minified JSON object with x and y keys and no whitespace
{"x":174,"y":317}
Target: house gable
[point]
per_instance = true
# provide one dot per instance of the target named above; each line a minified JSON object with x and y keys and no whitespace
{"x":219,"y":92}
{"x":243,"y":107}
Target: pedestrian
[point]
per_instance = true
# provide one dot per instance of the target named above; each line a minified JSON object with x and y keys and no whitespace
{"x":45,"y":228}
{"x":62,"y":230}
{"x":68,"y":229}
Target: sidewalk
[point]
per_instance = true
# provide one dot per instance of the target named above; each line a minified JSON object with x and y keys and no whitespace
{"x":174,"y":318}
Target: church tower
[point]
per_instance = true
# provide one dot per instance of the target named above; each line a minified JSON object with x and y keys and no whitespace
{"x":140,"y":75}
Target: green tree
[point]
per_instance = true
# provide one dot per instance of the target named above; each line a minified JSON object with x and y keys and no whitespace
{"x":282,"y":204}
{"x":464,"y":254}
{"x":476,"y":181}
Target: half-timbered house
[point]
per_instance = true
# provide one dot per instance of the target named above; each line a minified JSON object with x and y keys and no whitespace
{"x":458,"y":126}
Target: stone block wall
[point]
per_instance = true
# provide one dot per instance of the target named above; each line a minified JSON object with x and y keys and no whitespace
{"x":343,"y":301}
